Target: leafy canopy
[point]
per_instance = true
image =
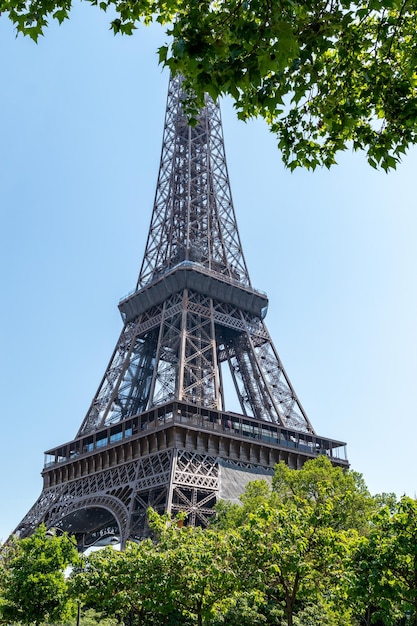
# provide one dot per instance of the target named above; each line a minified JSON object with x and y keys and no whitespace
{"x":297,"y":537}
{"x":35,"y":584}
{"x":385,"y":565}
{"x":183,"y":577}
{"x":324,"y":74}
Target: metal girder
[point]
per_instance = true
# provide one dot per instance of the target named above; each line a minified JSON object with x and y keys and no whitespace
{"x":194,"y":308}
{"x":193,"y":314}
{"x":193,"y":216}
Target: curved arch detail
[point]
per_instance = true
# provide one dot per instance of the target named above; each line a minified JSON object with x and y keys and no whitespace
{"x":59,"y":511}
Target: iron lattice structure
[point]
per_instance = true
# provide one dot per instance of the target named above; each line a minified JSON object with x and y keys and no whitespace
{"x":158,"y":431}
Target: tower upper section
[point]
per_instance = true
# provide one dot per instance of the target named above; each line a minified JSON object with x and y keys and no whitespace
{"x":193,"y":217}
{"x":194,"y":329}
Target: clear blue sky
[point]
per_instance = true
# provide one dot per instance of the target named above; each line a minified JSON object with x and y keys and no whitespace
{"x":81,"y":118}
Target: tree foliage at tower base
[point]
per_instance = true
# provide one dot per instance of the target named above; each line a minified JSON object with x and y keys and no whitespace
{"x":312,"y":549}
{"x":279,"y":558}
{"x":325,"y":75}
{"x":33,"y":582}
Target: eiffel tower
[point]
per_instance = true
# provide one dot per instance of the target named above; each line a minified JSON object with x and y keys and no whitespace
{"x":158,"y":431}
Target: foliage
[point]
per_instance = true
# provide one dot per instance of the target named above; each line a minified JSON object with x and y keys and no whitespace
{"x":341,"y":494}
{"x":385,"y":582}
{"x":90,"y":617}
{"x":181,"y":577}
{"x":312,"y":548}
{"x":7,"y":554}
{"x":247,"y":608}
{"x":35,"y":587}
{"x":297,"y":537}
{"x":122,"y":584}
{"x":200,"y":567}
{"x":295,"y":555}
{"x":324,"y":75}
{"x":332,"y":491}
{"x":323,"y":613}
{"x":232,"y":515}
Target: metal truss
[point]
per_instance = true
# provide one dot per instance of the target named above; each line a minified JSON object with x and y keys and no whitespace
{"x":193,"y":216}
{"x":176,"y":351}
{"x":193,"y":315}
{"x":114,"y":489}
{"x":167,"y":480}
{"x":174,"y":343}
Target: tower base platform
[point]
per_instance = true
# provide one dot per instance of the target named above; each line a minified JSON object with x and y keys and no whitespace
{"x":174,"y":457}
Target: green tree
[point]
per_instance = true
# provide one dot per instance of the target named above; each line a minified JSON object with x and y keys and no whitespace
{"x":384,"y":588}
{"x":128,"y":585}
{"x":324,"y":75}
{"x":90,"y":617}
{"x":182,"y":578}
{"x":7,"y":553}
{"x":230,"y":515}
{"x":341,"y":495}
{"x":202,"y":574}
{"x":35,"y":586}
{"x":245,"y":608}
{"x":294,"y":555}
{"x":297,"y":537}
